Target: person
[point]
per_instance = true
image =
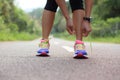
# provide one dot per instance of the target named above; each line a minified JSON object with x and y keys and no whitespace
{"x":80,"y":24}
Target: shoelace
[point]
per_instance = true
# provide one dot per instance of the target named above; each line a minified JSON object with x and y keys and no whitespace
{"x":91,"y":48}
{"x":44,"y":44}
{"x":79,"y":47}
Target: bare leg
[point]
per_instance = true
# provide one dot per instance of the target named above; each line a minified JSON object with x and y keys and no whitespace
{"x":77,"y":20}
{"x":47,"y":23}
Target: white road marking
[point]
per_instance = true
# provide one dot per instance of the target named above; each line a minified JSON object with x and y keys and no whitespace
{"x":69,"y":49}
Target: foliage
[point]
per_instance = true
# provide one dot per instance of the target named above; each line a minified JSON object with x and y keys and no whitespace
{"x":36,"y":13}
{"x":110,"y":27}
{"x":106,"y":8}
{"x":14,"y":20}
{"x":66,"y":36}
{"x":13,"y":27}
{"x":5,"y":36}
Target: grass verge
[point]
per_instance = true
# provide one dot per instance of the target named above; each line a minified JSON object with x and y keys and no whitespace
{"x":66,"y":36}
{"x":17,"y":36}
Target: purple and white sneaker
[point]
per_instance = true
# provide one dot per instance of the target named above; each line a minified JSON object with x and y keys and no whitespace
{"x":44,"y":48}
{"x":80,"y":52}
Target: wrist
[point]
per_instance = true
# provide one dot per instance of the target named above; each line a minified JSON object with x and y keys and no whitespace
{"x":88,"y":19}
{"x":67,"y":18}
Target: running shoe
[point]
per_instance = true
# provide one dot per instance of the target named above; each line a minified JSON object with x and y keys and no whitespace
{"x":44,"y":48}
{"x":80,"y":52}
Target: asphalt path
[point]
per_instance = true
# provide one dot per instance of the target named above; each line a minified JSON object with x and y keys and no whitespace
{"x":18,"y":61}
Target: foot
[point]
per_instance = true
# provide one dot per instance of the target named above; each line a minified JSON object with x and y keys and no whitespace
{"x":44,"y":48}
{"x":80,"y":52}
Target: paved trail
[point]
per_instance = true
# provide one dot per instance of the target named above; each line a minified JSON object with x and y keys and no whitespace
{"x":18,"y":62}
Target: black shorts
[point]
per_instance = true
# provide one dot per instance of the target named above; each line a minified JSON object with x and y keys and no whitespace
{"x":75,"y":5}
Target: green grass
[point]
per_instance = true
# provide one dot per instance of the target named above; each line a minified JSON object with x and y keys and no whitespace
{"x":16,"y":36}
{"x":66,"y":36}
{"x":26,"y":36}
{"x":104,"y":39}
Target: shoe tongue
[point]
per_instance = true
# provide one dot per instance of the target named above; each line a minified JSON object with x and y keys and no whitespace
{"x":79,"y":42}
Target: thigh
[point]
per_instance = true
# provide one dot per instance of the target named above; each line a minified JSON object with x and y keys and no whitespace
{"x":51,"y":5}
{"x":76,"y":4}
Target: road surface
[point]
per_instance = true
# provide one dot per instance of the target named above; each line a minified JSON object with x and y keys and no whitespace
{"x":18,"y":62}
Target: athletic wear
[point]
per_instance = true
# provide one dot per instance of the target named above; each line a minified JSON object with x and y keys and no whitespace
{"x":76,"y":4}
{"x":51,"y":5}
{"x":44,"y":48}
{"x":79,"y":48}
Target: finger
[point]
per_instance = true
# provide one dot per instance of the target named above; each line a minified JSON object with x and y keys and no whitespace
{"x":83,"y":32}
{"x":74,"y":32}
{"x":86,"y":33}
{"x":70,"y":30}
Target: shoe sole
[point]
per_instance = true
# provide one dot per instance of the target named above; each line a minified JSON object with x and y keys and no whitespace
{"x":43,"y":54}
{"x":80,"y":56}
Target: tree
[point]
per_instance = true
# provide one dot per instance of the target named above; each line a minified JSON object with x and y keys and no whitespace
{"x":106,"y":8}
{"x":12,"y":17}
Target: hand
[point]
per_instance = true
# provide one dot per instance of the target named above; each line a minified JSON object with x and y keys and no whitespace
{"x":69,"y":26}
{"x":86,"y":28}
